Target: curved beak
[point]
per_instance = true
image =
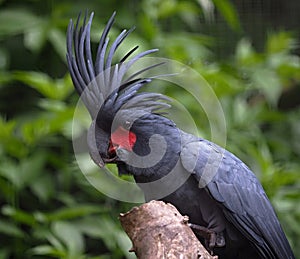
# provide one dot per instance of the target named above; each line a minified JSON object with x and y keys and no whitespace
{"x":101,"y":163}
{"x":97,"y":159}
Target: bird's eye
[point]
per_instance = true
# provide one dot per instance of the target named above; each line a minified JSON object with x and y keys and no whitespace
{"x":127,"y":125}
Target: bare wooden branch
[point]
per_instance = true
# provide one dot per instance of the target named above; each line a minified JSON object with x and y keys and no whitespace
{"x":158,"y":230}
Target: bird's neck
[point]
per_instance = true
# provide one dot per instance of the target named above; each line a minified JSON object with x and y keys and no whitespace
{"x":163,"y":148}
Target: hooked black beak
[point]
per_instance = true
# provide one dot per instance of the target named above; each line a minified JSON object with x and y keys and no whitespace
{"x":97,"y":159}
{"x":101,"y":163}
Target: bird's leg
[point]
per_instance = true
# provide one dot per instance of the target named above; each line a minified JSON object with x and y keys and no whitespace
{"x":212,"y":239}
{"x":208,"y":235}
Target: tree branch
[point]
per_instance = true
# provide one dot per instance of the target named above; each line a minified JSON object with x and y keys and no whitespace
{"x":158,"y":230}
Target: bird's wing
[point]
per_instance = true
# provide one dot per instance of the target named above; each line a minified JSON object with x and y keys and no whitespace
{"x":240,"y":195}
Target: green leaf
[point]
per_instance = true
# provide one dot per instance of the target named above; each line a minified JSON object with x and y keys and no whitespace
{"x":14,"y":21}
{"x":70,"y":235}
{"x":56,"y":243}
{"x":58,"y":40}
{"x":31,"y":168}
{"x":7,"y":128}
{"x":52,"y":105}
{"x":227,"y":9}
{"x":4,"y":63}
{"x":149,"y":29}
{"x":4,"y":253}
{"x":6,"y":190}
{"x":47,"y":124}
{"x":47,"y":250}
{"x":35,"y":130}
{"x":23,"y":173}
{"x":18,"y":215}
{"x":8,"y":139}
{"x":268,"y":82}
{"x":10,"y":229}
{"x":166,"y":8}
{"x":35,"y":37}
{"x":208,"y":9}
{"x":186,"y":46}
{"x":245,"y":54}
{"x":43,"y":187}
{"x":10,"y":171}
{"x":57,"y":89}
{"x":124,"y":243}
{"x":74,"y":212}
{"x":280,"y":42}
{"x":106,"y":229}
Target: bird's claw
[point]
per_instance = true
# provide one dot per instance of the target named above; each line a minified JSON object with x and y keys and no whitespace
{"x":220,"y":239}
{"x":212,"y":239}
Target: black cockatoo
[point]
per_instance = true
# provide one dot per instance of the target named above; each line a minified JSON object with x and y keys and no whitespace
{"x":229,"y":212}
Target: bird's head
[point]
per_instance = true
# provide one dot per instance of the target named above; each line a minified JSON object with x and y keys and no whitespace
{"x":124,"y":120}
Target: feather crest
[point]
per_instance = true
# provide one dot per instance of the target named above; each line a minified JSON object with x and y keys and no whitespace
{"x":103,"y":86}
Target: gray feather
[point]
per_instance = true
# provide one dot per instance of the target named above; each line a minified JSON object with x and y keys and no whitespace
{"x":102,"y":84}
{"x":240,"y":195}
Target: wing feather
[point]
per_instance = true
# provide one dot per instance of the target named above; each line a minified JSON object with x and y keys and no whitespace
{"x":240,"y":195}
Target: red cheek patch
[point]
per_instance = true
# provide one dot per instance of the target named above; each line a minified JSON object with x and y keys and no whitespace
{"x":122,"y":138}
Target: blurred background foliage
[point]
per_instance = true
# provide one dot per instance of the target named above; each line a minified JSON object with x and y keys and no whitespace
{"x":247,"y":50}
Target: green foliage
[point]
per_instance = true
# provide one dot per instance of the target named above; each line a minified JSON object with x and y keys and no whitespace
{"x":229,"y":13}
{"x":47,"y":208}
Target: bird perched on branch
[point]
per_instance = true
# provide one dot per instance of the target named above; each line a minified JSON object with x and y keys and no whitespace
{"x":227,"y":206}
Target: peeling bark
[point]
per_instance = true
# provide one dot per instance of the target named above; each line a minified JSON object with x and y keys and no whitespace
{"x":158,"y":230}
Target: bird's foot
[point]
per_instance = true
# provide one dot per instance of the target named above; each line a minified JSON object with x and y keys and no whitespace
{"x":212,"y":239}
